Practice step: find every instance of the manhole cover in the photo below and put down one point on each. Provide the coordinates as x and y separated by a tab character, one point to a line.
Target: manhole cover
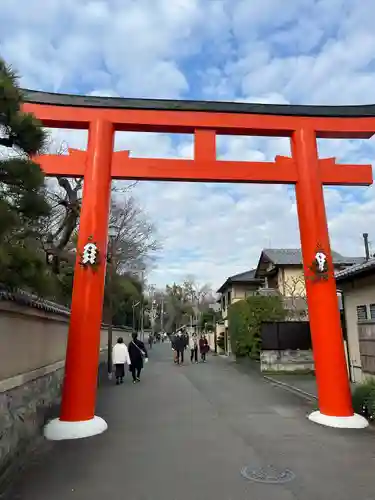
268	474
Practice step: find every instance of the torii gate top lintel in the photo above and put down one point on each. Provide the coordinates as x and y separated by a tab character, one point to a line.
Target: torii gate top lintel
205	120
182	116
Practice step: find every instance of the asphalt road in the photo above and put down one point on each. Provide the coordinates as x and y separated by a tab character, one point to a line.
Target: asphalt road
187	432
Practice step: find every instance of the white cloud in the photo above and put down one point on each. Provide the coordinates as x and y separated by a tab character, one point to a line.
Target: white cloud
300	51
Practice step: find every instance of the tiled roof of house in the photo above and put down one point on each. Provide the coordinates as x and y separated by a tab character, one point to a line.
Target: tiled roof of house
293	256
356	270
247	276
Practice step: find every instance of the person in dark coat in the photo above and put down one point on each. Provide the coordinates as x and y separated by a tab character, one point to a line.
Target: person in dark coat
137	353
186	338
173	345
150	340
203	348
180	346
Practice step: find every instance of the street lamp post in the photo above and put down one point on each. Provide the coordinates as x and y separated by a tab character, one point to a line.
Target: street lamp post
140	273
112	233
135	304
162	316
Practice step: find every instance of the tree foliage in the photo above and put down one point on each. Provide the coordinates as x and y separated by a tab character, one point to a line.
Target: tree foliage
124	291
186	302
245	318
177	306
132	247
209	318
40	221
23	204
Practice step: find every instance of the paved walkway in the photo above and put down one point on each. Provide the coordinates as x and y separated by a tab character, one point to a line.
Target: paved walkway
186	433
304	384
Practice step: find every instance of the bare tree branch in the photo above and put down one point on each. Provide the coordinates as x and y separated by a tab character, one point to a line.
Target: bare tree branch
134	236
295	297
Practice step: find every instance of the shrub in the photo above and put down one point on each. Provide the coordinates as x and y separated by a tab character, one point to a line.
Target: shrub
245	319
364	399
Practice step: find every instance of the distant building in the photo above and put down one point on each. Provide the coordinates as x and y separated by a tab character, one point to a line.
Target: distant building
235	288
279	271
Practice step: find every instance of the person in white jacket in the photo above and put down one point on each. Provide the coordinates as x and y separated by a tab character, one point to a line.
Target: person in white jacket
193	345
120	357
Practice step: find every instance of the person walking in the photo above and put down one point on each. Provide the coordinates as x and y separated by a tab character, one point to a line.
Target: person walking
150	340
173	346
138	355
186	338
120	358
203	348
193	345
180	346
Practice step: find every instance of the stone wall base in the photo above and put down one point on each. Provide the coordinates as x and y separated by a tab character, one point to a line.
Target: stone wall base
24	410
287	361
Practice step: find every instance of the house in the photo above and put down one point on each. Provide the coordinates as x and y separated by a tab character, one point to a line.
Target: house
356	284
281	269
235	288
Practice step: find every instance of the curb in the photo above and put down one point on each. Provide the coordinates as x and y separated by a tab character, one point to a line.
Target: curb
291	388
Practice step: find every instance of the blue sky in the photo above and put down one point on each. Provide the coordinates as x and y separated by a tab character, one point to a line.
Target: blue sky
273	51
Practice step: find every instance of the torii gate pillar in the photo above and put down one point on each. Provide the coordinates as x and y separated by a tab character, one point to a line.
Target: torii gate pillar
77	414
335	401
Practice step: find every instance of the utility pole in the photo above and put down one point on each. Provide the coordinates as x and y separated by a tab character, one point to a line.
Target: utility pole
142	307
214	321
112	268
162	316
110	330
133	307
152	309
153	316
142	320
135	304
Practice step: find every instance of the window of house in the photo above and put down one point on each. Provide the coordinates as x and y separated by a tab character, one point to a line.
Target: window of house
361	313
229	298
223	298
372	311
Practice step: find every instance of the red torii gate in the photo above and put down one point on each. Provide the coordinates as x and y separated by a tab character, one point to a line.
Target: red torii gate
100	164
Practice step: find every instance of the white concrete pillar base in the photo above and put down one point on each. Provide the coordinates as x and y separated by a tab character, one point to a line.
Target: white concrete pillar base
353	422
59	430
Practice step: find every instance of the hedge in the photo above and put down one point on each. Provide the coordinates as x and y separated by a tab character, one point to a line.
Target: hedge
364	400
245	318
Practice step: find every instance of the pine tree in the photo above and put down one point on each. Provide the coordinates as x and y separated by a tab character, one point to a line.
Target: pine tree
23	203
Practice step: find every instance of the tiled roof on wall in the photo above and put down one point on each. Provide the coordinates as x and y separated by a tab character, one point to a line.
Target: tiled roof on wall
28	299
